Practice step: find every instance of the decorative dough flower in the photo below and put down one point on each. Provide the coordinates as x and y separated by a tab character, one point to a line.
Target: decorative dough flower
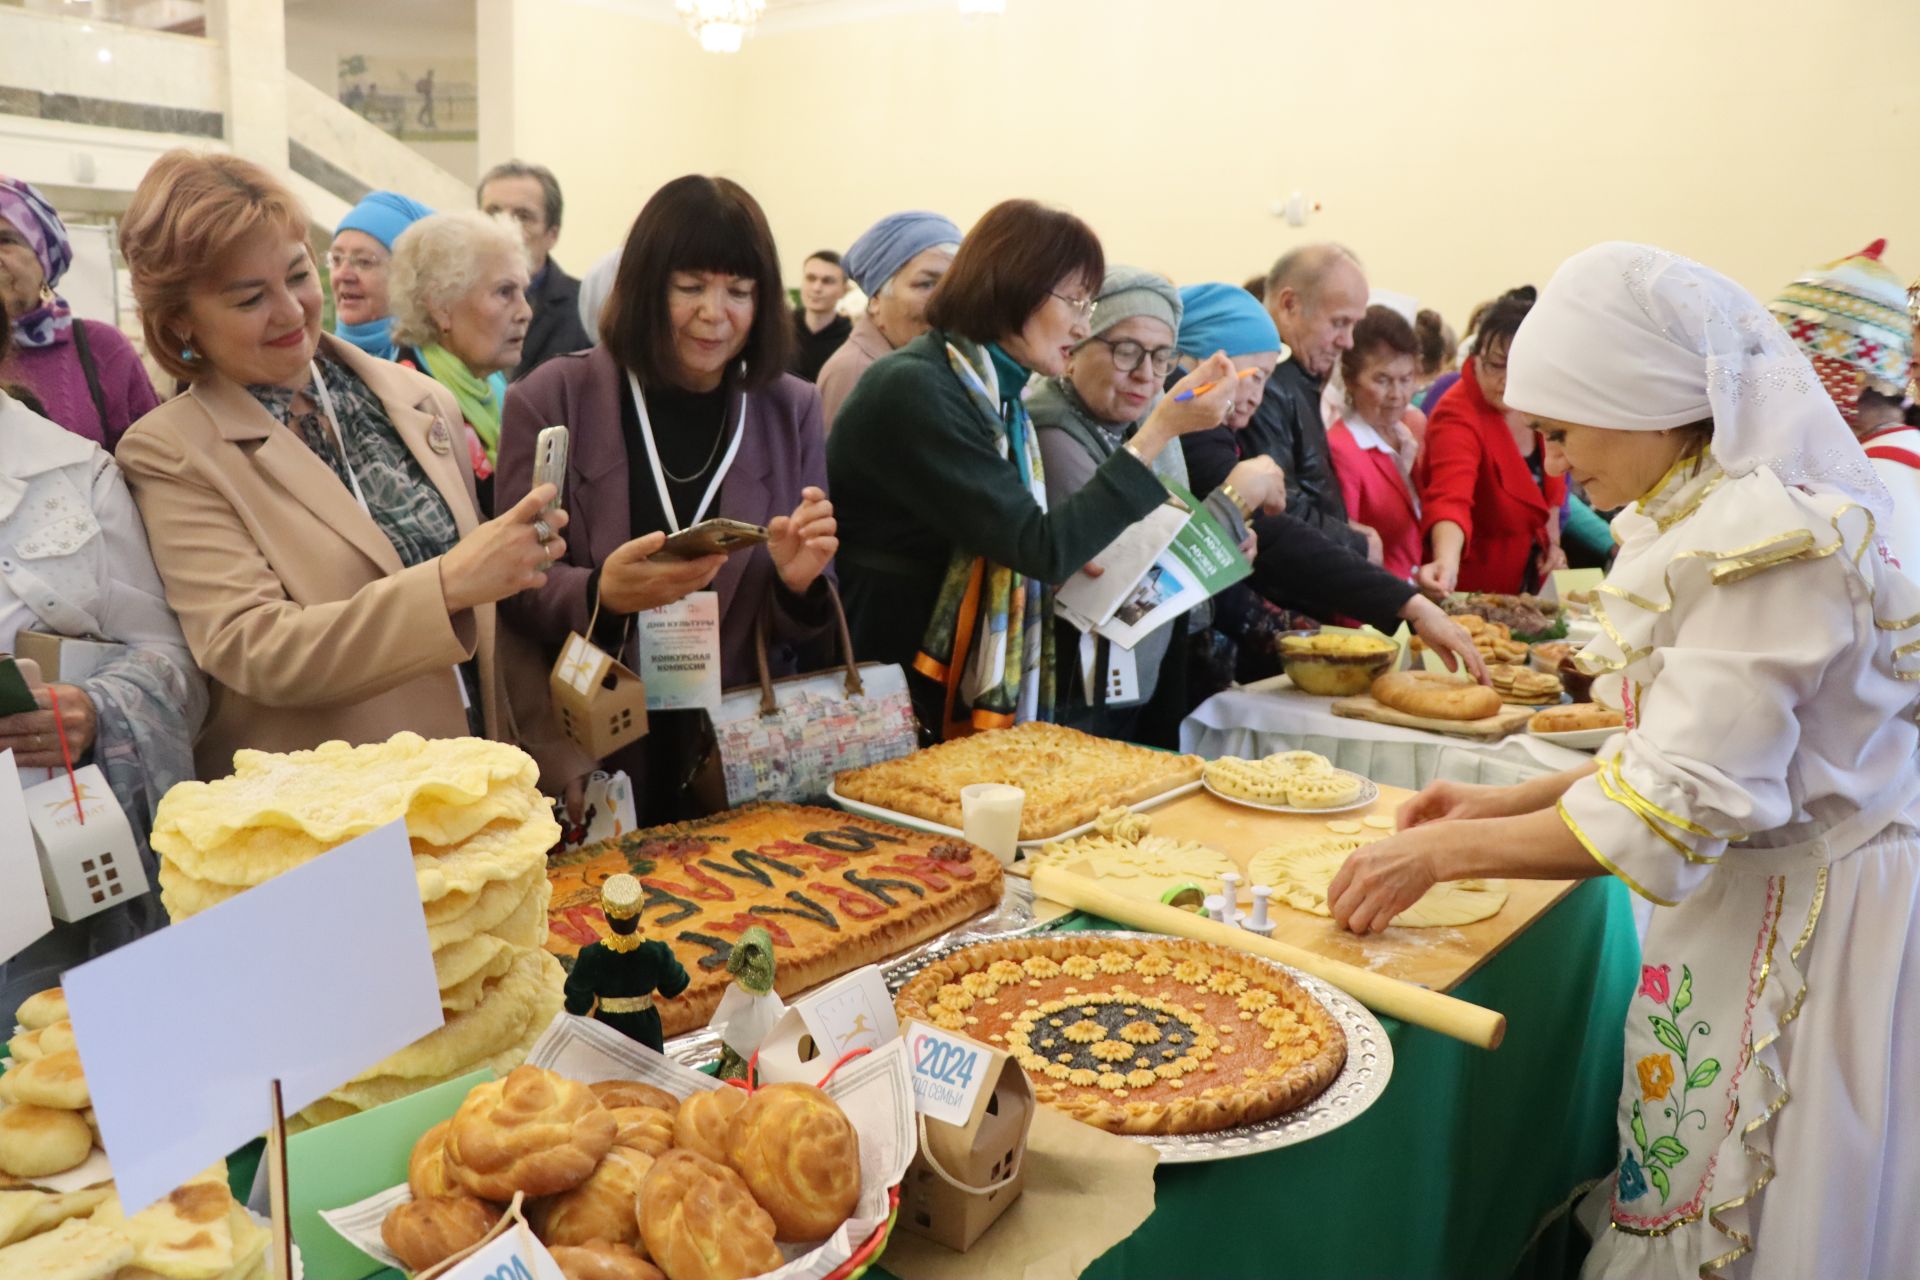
1226	983
1037	966
1140	1033
1112	1080
1154	964
1139	1079
954	996
1079	966
949	1019
1006	971
980	985
1191	972
1083	1077
1085	1031
1056	1071
1255	1001
1111	1051
1115	962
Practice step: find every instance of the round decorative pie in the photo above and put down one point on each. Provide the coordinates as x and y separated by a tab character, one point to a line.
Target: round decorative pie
1148	1036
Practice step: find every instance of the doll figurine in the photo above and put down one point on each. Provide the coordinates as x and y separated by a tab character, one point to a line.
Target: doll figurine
616	978
750	1008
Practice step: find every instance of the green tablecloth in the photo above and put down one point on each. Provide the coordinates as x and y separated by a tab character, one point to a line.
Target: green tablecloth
1452	1171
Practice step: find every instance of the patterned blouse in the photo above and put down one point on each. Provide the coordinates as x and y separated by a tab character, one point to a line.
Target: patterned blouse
399	496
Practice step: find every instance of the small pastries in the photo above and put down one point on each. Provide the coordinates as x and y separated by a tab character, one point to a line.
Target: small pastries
702	1122
42	1009
1578	716
1300	779
534	1131
700	1222
631	1093
423	1233
27	1213
37	1141
647	1129
1523	684
55	1037
427	1175
599	1260
798	1154
77	1249
55	1080
601	1208
1435	696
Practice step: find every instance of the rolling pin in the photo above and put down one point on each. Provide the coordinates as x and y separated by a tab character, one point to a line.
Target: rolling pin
1483	1028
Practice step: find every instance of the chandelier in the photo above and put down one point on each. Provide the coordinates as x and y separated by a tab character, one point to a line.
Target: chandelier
720	25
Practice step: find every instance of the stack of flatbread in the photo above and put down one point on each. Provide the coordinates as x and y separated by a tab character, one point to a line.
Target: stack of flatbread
480	831
199	1232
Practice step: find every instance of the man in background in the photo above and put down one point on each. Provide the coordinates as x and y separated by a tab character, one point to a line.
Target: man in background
817	322
530	195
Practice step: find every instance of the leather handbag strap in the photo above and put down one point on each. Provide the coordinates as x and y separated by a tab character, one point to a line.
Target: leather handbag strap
768	703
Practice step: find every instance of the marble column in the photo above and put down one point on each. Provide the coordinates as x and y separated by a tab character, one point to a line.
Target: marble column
252	38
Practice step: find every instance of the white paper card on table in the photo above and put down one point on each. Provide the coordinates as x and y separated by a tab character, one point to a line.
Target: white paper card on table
513	1255
948	1072
680	653
24	918
309	978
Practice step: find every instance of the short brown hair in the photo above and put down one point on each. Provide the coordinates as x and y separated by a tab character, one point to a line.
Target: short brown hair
695	223
1008	265
187	213
1382	331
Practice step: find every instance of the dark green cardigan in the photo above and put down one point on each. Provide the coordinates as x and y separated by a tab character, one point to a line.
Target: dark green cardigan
915	472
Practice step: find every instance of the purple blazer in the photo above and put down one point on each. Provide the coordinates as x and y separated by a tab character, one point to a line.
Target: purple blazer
783	450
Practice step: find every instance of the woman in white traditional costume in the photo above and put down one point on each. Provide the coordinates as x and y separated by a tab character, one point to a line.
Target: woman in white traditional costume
1763	794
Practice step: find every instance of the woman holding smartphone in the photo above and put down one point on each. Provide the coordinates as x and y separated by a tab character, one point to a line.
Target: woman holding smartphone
683	414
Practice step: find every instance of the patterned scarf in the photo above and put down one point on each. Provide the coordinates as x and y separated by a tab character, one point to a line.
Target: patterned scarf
50	323
989	641
480	398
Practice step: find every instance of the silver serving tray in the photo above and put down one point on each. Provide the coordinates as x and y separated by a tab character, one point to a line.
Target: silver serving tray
1369	792
1358	1086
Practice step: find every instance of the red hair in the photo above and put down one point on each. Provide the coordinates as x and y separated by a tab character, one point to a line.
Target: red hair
188	213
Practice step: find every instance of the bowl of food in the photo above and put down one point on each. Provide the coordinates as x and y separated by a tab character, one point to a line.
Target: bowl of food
1335	664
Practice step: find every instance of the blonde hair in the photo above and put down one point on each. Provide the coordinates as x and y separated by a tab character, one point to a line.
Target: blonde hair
189	211
437	261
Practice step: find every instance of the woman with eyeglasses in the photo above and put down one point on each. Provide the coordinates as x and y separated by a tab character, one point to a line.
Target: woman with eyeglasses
1489	508
950	550
358	264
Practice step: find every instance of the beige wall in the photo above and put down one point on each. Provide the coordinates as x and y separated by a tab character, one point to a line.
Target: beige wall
1457	148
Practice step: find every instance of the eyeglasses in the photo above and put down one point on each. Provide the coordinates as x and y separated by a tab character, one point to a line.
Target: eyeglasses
1127	355
362	262
1082	307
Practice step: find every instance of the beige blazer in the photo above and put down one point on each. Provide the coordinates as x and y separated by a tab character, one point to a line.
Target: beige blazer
293	601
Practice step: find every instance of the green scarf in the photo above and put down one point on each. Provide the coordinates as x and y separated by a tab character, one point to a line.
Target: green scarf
479	398
989	640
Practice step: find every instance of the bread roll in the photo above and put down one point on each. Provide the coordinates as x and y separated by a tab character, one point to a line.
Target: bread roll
42	1009
534	1131
1435	696
700	1222
427	1175
37	1141
601	1208
645	1129
701	1123
55	1080
797	1152
423	1233
1577	716
600	1260
631	1093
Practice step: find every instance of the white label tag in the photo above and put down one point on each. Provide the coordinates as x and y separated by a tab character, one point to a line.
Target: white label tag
948	1073
515	1255
853	1013
88	866
680	653
24	918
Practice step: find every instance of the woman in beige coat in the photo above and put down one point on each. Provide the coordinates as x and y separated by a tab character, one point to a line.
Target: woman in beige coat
311	509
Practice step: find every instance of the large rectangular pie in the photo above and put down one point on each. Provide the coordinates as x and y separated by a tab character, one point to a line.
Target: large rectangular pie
1069	776
835	891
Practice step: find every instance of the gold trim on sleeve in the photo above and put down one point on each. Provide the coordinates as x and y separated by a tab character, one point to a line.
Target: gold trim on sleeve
1601	858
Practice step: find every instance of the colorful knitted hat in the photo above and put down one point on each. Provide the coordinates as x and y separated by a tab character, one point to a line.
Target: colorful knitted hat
1850	317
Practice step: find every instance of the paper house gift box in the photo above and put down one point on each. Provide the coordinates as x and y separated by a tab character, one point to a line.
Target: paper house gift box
851	1013
87	866
965	1176
602	705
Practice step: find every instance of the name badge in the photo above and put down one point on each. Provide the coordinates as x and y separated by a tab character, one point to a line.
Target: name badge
680	654
440	437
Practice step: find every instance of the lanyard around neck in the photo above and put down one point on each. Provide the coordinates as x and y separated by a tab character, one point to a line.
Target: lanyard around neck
339	437
659	472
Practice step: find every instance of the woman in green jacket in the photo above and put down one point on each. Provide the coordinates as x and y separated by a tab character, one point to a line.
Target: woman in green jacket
949	553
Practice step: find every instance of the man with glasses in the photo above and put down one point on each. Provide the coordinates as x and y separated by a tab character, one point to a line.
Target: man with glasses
530	195
1315	295
357	267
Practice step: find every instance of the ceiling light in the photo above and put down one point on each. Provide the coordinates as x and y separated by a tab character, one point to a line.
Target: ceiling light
721	25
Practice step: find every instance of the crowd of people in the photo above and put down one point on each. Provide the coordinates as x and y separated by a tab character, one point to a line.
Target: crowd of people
308	535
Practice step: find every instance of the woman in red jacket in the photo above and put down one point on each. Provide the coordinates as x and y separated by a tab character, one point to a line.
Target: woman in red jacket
1373	448
1490	511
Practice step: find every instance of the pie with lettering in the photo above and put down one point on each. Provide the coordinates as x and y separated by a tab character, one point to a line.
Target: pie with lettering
1148	1036
835	891
1069	776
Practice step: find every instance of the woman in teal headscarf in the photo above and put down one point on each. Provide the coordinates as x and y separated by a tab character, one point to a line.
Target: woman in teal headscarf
358	265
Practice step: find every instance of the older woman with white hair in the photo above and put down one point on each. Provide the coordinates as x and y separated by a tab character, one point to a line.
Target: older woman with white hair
1762	796
896	262
460	315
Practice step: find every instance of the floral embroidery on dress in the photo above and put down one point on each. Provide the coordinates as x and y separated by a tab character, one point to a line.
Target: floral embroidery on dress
1658	1076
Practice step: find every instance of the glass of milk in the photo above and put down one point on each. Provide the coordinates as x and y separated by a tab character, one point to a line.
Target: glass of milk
990	818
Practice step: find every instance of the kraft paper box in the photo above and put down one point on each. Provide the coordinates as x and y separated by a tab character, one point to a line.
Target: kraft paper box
63	659
601	704
965	1176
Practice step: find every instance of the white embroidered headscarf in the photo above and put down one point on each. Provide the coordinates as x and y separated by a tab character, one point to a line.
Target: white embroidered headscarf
1634	338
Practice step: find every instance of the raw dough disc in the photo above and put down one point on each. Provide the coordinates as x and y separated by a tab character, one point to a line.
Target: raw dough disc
1299	875
1344	827
1145	869
1379	821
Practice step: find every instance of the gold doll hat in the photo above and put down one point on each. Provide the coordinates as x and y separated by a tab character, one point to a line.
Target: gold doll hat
620	897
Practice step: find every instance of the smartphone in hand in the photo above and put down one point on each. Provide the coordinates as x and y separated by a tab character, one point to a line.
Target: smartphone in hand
711	538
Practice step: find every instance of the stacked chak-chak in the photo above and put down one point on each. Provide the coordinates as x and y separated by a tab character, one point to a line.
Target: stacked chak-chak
624	1181
480	831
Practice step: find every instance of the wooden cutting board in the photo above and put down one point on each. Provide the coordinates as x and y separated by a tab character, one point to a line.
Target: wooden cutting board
1364	707
1437	958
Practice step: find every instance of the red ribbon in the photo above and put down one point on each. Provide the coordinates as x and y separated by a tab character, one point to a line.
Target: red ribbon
66	753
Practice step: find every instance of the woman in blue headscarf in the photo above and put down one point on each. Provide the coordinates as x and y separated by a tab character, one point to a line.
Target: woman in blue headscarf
358	264
82	374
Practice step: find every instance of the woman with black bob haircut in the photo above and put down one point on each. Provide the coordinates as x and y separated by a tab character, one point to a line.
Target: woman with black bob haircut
683	413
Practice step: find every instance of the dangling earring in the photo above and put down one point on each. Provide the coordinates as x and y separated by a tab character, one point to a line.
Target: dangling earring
47	296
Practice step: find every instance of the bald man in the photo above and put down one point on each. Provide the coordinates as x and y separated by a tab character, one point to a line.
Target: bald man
1315	294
